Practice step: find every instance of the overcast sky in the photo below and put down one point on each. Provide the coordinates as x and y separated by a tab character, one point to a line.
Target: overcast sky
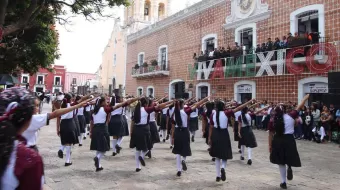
82	43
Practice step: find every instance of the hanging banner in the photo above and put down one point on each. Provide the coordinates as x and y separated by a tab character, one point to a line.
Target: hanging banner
242	89
316	88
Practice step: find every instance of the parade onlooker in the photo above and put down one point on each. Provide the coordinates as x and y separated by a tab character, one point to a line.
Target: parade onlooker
308	124
316	114
325	122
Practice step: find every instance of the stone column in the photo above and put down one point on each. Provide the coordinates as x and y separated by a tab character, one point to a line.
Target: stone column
154	11
168	8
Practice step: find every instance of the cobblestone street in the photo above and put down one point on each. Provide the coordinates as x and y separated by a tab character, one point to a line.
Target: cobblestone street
320	170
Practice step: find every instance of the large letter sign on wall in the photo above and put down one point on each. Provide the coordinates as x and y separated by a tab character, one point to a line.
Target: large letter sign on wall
218	71
250	65
326	50
192	71
202	67
280	62
293	68
265	64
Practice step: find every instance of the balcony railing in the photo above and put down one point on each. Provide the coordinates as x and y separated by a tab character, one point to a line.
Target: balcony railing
250	62
149	71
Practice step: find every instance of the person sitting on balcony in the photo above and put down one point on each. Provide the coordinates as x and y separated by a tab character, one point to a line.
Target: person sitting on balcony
201	57
216	53
290	37
211	55
228	51
277	44
237	47
269	45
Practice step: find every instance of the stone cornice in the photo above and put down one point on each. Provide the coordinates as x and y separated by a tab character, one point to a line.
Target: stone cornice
181	15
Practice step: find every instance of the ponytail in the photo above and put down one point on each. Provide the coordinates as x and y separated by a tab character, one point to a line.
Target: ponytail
178	117
278	120
219	108
243	115
64	103
137	114
113	101
98	105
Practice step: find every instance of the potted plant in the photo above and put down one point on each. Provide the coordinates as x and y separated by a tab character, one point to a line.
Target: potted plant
136	66
154	62
145	64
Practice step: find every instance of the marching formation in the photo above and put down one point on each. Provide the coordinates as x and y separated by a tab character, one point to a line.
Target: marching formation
153	121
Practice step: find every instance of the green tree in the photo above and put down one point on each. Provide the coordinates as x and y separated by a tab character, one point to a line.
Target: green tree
28	37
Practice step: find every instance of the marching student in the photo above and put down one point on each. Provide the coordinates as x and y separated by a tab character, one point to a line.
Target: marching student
247	137
319	134
171	111
193	123
100	137
219	138
164	121
126	128
87	115
66	129
206	122
181	134
140	132
81	120
20	167
117	125
282	145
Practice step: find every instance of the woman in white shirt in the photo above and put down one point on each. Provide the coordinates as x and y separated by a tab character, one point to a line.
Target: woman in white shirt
164	121
140	132
193	123
116	125
247	137
81	121
319	134
219	138
181	135
282	145
100	137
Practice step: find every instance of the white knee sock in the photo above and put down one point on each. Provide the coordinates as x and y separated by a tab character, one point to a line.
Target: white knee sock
143	154
184	158
62	148
100	155
85	131
164	134
224	164
193	133
218	167
114	143
242	150
68	154
249	153
170	140
81	138
178	162
283	173
120	141
137	154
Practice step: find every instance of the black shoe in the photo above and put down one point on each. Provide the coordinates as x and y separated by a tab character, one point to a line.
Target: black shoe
179	173
88	133
60	154
141	161
149	154
239	151
249	162
283	186
213	159
218	179
171	147
192	139
184	166
138	169
84	138
96	162
99	169
223	177
80	145
242	158
289	173
160	135
68	164
118	148
164	140
114	154
167	137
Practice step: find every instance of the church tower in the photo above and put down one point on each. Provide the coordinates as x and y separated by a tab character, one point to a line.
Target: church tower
142	13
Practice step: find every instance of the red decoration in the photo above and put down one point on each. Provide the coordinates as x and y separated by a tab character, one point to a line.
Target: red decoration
218	70
293	68
328	50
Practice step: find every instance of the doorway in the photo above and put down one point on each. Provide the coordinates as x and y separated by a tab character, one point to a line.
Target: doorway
245	97
177	89
210	44
39	89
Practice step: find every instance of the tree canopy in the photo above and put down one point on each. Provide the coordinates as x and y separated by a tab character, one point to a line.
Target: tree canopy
27	29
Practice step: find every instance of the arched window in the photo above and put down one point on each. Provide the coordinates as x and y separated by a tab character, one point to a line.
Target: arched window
150	91
141	58
161	10
163	57
139	91
209	42
246	35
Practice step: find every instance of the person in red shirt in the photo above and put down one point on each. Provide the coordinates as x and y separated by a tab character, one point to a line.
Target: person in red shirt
20	167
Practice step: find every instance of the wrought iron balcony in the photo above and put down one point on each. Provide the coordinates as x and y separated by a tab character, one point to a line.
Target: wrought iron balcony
150	71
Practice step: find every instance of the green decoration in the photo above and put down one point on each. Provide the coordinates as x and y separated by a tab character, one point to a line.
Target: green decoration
250	65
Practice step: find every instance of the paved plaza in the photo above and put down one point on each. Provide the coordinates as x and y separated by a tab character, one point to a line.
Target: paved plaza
320	170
